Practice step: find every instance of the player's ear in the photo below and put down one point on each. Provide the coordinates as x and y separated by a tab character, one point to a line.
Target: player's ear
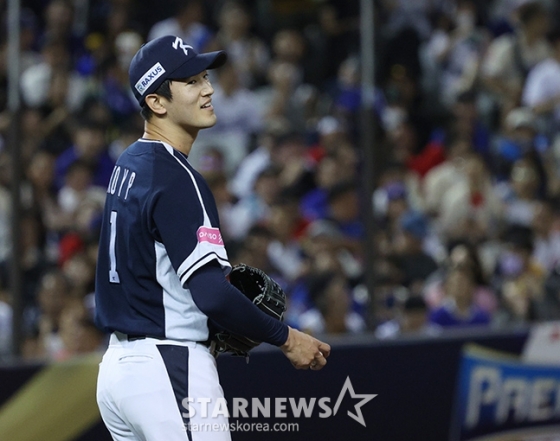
156	104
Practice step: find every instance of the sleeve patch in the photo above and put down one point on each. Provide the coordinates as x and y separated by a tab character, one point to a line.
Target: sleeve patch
211	235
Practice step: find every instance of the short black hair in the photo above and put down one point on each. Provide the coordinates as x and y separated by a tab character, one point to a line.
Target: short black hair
530	10
163	90
341	189
520	237
553	36
317	286
79	164
86	123
415	303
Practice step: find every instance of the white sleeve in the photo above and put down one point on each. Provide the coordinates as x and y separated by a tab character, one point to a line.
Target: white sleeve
497	60
536	91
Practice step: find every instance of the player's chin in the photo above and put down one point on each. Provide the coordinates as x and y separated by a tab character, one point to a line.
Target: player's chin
208	121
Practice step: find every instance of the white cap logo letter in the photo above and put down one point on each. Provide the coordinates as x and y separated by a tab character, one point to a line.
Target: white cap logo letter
178	43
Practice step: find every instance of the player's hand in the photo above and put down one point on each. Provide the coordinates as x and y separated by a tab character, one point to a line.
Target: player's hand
305	351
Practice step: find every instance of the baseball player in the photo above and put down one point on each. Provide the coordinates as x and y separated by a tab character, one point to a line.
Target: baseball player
161	273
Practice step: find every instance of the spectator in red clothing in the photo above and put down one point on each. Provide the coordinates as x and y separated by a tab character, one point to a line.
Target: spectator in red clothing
471	204
331	134
286	225
411	145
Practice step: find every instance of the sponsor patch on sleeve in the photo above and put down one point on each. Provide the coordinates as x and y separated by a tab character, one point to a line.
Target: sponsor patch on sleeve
211	235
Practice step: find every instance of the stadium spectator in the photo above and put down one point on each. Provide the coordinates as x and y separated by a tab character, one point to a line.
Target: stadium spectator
115	91
78	333
462	255
53	80
77	187
248	53
542	88
520	194
454	51
286	226
187	23
510	57
551	303
458	307
59	25
52	298
471	204
440	178
516	140
343	210
467	122
520	279
89	147
461	158
239	117
547	235
314	203
332	312
261	157
414	263
285	97
255	208
412	319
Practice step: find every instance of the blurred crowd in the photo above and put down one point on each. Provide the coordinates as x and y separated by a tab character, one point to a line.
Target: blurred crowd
466	118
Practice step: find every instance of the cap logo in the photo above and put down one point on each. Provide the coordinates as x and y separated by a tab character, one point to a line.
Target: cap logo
178	43
149	77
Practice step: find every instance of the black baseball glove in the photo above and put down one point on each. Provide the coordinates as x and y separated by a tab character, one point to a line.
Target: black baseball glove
263	292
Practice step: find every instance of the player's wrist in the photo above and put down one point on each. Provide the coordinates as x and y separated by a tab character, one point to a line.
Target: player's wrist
288	343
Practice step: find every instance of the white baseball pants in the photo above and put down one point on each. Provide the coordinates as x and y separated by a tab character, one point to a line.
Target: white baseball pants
144	385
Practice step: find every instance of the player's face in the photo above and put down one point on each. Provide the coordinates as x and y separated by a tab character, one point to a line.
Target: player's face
191	106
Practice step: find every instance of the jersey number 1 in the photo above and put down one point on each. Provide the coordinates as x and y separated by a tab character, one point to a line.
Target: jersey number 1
113	274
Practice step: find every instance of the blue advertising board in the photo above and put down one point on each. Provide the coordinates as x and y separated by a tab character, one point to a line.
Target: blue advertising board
501	398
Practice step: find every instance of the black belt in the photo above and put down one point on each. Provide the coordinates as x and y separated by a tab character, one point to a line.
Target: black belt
133	337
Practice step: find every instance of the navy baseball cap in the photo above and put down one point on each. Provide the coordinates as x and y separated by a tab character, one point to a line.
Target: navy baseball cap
167	58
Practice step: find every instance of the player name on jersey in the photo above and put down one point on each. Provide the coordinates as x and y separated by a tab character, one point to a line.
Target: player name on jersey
119	176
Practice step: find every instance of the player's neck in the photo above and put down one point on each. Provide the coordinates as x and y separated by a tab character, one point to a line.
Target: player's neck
176	137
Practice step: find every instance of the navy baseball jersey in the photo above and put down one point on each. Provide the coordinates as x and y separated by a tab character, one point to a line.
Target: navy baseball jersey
160	225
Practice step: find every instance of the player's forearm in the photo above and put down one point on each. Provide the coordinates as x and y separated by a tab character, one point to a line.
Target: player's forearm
229	308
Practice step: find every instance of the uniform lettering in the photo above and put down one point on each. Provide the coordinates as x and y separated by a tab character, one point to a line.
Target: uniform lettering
113	186
116	179
125	174
130	182
111	179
